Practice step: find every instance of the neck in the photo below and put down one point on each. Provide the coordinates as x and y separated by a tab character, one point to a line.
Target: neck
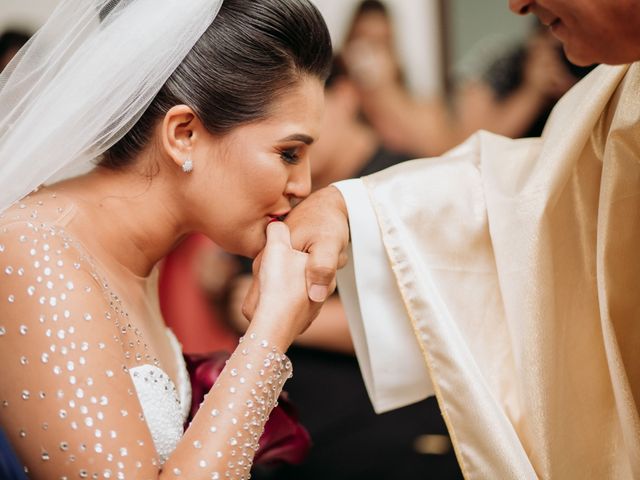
134	220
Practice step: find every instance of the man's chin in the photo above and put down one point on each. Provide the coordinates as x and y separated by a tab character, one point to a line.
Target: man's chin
582	61
585	57
577	57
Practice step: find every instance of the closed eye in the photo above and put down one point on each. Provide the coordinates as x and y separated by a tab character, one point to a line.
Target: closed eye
290	156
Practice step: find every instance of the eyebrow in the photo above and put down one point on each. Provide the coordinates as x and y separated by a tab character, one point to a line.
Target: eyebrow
298	137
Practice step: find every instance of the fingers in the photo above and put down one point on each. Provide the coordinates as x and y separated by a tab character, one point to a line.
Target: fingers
257	262
321	269
251	301
278	234
343	259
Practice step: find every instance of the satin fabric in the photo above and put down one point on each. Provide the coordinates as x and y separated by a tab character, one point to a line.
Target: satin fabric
518	264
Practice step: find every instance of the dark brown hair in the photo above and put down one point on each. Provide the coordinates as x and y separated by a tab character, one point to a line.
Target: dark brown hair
252	53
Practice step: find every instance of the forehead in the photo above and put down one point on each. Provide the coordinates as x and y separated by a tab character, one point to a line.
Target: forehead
297	110
307	89
303	103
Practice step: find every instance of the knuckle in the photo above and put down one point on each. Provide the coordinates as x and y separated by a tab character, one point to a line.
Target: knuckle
342	259
323	272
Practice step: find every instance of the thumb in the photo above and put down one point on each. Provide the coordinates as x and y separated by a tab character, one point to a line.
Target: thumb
321	272
278	234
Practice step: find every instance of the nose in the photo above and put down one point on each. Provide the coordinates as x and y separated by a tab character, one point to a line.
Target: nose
520	7
299	183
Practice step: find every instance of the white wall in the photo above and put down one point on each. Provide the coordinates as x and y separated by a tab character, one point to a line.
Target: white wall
27	14
481	31
417	28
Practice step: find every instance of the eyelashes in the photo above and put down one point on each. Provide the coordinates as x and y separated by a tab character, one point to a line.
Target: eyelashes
291	156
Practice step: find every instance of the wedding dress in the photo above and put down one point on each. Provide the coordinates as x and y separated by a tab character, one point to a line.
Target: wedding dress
82	389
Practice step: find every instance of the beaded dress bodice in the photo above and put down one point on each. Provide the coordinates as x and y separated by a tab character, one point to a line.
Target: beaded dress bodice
164	404
82	395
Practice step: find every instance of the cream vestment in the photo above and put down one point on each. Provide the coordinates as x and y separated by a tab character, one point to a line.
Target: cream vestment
504	277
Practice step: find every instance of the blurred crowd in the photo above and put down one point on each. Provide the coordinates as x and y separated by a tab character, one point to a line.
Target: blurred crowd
372	121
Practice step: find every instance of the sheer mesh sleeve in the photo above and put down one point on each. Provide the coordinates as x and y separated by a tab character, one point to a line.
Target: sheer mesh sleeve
226	430
68	401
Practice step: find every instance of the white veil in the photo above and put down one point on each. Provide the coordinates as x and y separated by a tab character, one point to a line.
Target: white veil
83	81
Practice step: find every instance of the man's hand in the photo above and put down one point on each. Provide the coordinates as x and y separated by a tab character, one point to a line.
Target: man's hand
319	226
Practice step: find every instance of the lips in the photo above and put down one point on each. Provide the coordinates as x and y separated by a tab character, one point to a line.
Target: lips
278	217
547	21
546	17
555	24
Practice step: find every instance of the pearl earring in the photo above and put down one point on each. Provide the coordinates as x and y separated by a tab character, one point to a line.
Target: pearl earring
187	166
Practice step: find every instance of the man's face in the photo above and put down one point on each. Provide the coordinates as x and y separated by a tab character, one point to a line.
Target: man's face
591	31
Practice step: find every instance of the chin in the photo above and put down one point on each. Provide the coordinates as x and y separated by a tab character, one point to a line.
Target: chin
583	56
243	250
245	240
585	61
251	253
250	247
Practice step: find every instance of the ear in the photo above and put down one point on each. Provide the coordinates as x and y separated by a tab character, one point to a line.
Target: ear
180	131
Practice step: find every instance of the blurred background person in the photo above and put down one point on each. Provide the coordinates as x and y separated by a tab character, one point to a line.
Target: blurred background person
371	30
11	40
515	94
348	146
512	96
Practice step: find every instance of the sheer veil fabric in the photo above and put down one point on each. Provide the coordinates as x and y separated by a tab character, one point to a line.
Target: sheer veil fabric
83	81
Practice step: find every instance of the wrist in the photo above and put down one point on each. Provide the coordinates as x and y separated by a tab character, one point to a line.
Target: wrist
273	327
340	206
338	200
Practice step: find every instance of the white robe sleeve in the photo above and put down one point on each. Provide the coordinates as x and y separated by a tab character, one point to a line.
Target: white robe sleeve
390	358
513	260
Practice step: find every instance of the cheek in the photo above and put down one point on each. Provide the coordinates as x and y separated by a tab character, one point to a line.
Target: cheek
246	196
264	183
583	50
577	40
595	19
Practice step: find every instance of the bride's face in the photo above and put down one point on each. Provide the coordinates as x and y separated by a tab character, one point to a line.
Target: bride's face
246	178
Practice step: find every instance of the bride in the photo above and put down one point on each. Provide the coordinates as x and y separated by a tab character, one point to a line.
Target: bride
197	125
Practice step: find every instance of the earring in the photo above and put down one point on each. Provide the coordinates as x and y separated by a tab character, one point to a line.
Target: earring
187	166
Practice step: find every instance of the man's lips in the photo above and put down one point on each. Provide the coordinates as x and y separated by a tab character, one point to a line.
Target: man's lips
549	20
553	26
546	17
